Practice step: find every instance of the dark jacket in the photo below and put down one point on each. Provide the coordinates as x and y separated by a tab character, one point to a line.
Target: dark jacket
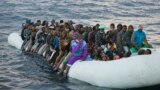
99	38
126	38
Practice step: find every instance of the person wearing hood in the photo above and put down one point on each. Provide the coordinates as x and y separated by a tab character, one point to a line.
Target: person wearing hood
79	51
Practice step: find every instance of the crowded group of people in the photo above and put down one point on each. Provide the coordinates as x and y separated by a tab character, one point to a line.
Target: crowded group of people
62	43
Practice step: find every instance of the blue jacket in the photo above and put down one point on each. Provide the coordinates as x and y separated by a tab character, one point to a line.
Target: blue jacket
140	37
55	42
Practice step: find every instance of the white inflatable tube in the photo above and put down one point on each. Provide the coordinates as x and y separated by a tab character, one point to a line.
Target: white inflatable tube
14	39
132	72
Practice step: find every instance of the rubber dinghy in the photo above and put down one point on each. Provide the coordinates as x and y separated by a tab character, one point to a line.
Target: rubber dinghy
132	72
15	40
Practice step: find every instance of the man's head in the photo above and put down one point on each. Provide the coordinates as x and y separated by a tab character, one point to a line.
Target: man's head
112	26
130	28
124	28
119	27
140	27
38	22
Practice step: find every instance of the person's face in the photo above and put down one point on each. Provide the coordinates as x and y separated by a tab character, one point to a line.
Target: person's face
119	27
111	27
130	29
97	27
140	27
124	28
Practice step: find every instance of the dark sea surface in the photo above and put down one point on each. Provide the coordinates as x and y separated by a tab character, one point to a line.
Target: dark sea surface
19	71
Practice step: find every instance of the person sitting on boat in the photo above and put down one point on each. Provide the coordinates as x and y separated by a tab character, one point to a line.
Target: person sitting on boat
139	39
46	41
119	28
24	28
69	54
110	33
40	40
26	35
53	23
126	38
99	37
53	47
120	39
111	50
31	42
78	51
96	55
91	36
104	57
85	34
63	43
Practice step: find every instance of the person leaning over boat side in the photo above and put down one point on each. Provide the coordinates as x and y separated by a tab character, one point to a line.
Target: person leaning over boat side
139	38
78	52
126	38
119	39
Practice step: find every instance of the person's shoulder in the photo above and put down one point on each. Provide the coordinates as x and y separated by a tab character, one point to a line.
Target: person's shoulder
135	32
143	32
125	34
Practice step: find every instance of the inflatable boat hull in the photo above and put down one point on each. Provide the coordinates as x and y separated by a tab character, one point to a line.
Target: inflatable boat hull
132	72
15	40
